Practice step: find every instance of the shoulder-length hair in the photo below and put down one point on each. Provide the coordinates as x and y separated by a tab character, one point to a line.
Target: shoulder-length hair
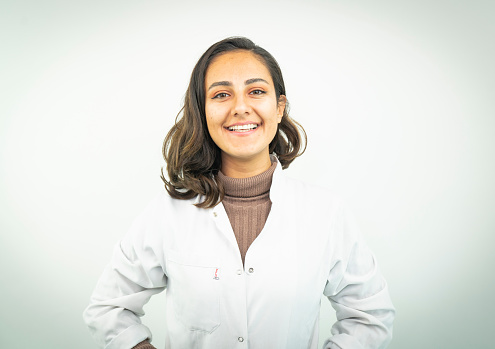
193	159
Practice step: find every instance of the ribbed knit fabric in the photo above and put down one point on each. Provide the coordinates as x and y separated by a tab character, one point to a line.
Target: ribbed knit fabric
247	203
144	345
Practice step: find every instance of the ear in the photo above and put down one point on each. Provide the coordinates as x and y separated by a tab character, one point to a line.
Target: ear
282	101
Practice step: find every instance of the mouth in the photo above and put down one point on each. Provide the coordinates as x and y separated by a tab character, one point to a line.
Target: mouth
242	128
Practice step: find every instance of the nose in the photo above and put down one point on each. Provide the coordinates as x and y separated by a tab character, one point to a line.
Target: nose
241	106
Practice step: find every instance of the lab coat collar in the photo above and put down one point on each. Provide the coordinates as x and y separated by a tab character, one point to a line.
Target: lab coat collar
276	188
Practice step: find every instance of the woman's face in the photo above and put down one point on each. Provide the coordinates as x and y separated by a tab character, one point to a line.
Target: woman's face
242	111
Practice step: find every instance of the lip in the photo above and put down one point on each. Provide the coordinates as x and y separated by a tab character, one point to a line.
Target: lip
242	133
243	123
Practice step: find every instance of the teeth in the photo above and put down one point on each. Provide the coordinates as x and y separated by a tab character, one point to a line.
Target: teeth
243	128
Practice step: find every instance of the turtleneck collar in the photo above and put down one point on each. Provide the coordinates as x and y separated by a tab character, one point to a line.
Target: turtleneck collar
250	186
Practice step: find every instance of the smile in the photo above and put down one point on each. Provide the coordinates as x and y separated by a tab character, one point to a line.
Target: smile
243	128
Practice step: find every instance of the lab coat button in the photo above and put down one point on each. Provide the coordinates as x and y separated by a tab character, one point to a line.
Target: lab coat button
251	270
215	214
240	339
239	272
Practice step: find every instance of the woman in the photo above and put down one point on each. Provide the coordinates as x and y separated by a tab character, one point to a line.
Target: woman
244	252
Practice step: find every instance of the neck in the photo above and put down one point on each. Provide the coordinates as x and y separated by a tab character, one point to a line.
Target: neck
239	168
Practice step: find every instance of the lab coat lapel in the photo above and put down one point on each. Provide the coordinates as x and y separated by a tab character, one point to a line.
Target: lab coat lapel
222	222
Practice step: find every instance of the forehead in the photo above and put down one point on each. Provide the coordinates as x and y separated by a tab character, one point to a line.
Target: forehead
241	64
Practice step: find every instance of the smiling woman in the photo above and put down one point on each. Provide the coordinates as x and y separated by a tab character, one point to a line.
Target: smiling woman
243	252
242	112
234	84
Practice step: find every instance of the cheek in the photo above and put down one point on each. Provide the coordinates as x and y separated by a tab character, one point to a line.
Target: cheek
210	117
271	114
213	114
214	126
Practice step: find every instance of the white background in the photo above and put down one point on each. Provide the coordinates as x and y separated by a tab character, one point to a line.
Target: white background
397	98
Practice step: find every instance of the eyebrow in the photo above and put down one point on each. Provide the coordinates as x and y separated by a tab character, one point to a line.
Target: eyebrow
228	83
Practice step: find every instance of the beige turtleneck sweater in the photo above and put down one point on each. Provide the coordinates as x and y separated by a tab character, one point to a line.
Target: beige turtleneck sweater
247	203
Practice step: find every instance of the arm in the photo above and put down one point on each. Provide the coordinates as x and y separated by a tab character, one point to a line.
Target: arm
126	285
359	295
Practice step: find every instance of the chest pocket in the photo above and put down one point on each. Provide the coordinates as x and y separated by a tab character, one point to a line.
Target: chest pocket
194	289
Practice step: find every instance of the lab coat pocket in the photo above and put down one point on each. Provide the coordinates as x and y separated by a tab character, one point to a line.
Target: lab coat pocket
194	290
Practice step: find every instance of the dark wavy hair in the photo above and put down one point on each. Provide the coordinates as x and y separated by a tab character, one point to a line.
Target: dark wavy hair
193	159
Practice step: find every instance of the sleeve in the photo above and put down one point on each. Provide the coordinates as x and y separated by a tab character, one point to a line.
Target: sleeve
133	275
359	295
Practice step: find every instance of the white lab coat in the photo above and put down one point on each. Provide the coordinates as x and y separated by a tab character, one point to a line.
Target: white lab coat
309	246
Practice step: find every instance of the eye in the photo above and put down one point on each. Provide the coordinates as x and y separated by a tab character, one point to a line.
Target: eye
220	95
257	92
